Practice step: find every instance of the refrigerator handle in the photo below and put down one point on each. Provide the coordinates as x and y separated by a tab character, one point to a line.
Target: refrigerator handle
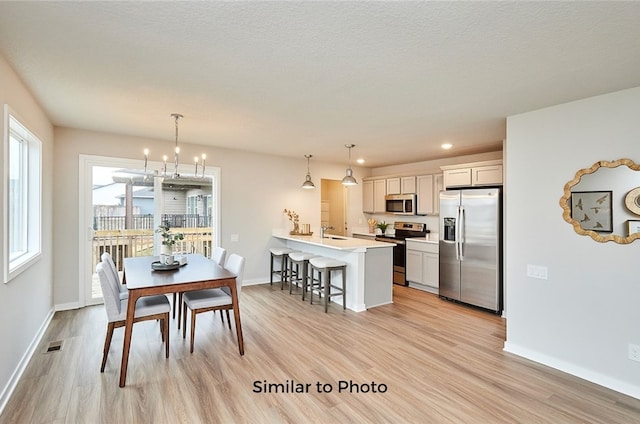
457	232
461	233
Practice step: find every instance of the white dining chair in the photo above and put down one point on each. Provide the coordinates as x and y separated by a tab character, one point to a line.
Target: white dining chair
147	308
199	301
111	267
218	255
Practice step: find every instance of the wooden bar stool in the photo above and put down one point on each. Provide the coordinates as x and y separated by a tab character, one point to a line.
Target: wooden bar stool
325	265
281	253
301	273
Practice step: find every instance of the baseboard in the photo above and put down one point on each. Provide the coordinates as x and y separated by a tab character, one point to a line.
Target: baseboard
255	282
569	368
68	306
22	365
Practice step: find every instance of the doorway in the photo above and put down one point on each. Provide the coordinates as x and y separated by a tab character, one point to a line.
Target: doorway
332	206
120	208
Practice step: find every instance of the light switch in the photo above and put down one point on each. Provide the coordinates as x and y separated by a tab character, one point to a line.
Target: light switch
235	237
537	271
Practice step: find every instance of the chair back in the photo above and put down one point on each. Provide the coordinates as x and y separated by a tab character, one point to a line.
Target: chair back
218	255
235	264
110	293
111	266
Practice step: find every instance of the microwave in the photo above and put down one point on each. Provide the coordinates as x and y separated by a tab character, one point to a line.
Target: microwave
400	204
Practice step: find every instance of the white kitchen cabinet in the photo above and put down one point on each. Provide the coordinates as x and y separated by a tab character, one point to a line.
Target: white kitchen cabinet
393	185
373	192
476	174
401	185
486	175
379	191
424	194
438	186
428	194
408	185
422	265
457	177
367	196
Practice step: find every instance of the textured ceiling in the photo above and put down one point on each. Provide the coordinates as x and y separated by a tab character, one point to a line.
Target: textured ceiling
292	78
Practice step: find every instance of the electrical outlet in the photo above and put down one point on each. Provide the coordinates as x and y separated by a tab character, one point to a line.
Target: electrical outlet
634	352
235	237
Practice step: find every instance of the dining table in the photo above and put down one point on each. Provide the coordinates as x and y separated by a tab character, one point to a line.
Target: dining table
197	273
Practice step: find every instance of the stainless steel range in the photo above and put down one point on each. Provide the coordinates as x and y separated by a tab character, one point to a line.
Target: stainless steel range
403	230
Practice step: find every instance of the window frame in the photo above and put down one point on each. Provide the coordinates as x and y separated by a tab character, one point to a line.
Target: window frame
31	151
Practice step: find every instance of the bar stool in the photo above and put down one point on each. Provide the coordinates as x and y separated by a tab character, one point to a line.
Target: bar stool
300	260
281	253
325	265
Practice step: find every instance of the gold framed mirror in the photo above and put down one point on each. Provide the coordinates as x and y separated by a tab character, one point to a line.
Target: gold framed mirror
603	193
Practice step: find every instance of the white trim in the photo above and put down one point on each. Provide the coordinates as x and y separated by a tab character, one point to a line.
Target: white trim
24	361
85	212
67	306
33	213
570	368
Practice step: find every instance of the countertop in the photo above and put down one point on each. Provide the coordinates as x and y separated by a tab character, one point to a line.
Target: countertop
429	238
341	243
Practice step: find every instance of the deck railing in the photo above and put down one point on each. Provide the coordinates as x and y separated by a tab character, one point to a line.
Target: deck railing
137	242
145	222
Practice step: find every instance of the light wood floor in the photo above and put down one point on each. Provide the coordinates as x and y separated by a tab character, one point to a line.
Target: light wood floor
440	363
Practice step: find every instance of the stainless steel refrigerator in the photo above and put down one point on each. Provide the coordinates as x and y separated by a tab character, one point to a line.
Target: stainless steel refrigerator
471	247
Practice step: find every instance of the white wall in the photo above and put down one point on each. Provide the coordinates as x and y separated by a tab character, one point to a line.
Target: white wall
255	189
25	302
583	317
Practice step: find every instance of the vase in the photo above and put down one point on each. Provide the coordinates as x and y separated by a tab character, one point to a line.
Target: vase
166	255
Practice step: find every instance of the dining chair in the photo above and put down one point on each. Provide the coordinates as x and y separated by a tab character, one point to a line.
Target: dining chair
147	308
217	255
212	299
111	267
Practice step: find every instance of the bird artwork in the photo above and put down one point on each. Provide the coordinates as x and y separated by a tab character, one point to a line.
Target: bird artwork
602	199
595	209
586	218
579	204
598	225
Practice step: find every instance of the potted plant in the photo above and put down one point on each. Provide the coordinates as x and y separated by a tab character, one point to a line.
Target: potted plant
168	242
382	226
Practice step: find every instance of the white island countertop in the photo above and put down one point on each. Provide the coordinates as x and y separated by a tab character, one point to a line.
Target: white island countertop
331	241
369	265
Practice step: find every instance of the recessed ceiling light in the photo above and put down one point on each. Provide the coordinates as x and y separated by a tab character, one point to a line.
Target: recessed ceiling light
360	161
446	146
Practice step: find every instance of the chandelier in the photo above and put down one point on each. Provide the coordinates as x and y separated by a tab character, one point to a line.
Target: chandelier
176	157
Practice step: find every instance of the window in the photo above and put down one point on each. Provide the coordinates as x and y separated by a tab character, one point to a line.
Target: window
22	220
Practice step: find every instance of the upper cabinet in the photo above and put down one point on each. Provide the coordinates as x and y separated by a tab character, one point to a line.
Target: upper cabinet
428	189
373	192
475	174
401	185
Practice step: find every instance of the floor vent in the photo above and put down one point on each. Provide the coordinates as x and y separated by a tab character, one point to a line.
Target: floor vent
54	347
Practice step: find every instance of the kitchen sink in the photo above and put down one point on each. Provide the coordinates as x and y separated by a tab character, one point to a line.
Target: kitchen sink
336	237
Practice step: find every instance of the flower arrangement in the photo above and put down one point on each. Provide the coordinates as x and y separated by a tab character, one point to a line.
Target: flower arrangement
295	218
168	239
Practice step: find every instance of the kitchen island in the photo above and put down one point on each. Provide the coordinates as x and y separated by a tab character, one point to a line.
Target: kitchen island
369	265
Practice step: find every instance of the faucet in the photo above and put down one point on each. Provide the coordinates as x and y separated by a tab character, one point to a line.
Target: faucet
323	228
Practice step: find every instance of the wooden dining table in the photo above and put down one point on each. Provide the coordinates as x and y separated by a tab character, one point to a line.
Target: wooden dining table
198	273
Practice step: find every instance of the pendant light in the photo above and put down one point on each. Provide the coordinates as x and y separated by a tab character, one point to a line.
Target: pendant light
308	184
348	179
